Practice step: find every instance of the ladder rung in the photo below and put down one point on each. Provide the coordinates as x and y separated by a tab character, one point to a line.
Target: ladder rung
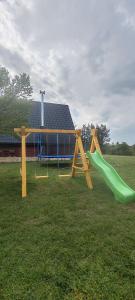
80	168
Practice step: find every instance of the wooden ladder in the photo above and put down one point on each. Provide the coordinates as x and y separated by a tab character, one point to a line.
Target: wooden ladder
82	166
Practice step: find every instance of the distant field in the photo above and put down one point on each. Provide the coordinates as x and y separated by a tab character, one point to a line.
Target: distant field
65	241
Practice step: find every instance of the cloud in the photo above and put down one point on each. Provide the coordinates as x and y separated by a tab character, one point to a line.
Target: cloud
81	53
13	60
124	80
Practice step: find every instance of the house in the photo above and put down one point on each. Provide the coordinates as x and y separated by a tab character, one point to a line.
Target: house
56	116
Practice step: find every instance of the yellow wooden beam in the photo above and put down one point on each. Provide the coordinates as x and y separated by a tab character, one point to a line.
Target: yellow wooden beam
79	168
76	151
24	189
85	168
45	130
94	143
85	165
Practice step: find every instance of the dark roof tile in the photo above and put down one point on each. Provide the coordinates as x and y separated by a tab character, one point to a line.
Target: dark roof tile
56	116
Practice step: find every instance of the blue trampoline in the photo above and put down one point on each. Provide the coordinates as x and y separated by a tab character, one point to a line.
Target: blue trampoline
43	151
55	156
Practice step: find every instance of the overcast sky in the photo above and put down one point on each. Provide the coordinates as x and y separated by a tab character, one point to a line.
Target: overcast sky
82	52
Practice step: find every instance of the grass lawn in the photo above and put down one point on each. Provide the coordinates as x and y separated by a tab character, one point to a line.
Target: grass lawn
65	241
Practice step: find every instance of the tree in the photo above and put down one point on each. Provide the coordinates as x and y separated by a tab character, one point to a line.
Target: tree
21	87
13	113
102	133
4	80
86	137
124	149
119	149
133	149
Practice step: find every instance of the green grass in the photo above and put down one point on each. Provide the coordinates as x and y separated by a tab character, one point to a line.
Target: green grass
65	241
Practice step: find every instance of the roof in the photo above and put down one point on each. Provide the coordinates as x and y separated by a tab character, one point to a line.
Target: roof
56	116
9	139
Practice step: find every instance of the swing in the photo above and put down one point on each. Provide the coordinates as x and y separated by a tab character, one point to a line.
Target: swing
24	132
40	148
42	155
66	156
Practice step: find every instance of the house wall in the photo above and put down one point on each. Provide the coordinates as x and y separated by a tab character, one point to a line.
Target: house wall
10	150
14	150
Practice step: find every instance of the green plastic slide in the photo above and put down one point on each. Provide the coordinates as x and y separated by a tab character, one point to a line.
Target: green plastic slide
121	190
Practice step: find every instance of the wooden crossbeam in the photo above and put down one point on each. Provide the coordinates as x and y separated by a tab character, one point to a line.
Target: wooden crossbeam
45	130
79	168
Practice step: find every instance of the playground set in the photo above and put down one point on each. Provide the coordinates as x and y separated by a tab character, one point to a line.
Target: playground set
122	192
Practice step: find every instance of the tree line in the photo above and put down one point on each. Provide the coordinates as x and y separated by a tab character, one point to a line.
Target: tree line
15	106
103	134
15	100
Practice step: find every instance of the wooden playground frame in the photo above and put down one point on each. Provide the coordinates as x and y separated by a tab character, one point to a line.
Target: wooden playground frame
24	132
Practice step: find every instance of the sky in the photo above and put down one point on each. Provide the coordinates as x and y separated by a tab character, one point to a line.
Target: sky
81	52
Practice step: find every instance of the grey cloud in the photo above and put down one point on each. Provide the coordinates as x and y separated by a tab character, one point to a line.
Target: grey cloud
122	81
81	52
46	82
123	85
13	61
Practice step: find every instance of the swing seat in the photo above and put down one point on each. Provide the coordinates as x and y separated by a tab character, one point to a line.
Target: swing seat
65	175
41	176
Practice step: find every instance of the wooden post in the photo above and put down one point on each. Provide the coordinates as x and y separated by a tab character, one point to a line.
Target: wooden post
94	143
85	167
24	188
76	152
